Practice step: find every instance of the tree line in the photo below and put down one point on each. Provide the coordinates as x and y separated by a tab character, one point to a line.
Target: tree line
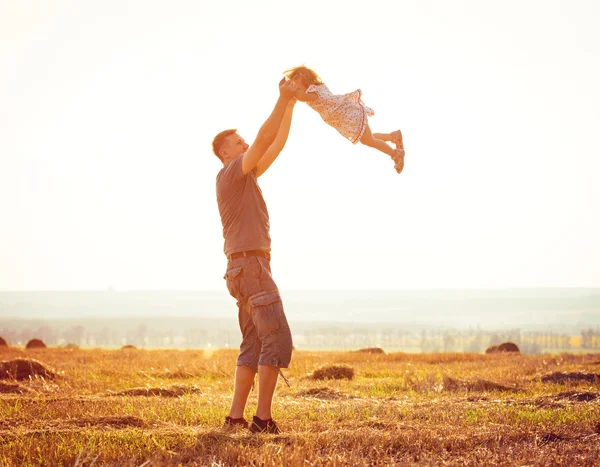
310	337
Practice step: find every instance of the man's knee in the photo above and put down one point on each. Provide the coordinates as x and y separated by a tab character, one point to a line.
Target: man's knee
273	330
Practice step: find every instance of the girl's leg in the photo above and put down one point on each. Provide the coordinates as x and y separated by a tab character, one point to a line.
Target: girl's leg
395	137
383	136
368	139
397	155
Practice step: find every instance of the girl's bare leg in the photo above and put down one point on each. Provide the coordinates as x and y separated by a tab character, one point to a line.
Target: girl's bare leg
370	140
395	137
383	136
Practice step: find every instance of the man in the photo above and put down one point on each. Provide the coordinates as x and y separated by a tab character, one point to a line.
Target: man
266	339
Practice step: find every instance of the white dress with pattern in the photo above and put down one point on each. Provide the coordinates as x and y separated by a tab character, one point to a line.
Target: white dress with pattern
347	113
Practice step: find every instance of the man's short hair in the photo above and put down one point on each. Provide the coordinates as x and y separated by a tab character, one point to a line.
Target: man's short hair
220	139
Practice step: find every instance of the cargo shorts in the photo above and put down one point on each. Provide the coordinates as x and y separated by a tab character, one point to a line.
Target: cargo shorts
266	336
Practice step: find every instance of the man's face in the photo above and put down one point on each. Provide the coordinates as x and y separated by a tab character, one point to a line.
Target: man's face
234	146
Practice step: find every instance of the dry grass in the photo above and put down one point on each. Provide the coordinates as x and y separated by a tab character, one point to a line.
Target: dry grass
396	410
174	390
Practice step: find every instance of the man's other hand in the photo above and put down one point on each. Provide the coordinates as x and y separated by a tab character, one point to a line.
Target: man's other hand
287	88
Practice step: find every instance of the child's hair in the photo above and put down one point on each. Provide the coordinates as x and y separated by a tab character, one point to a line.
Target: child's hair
307	75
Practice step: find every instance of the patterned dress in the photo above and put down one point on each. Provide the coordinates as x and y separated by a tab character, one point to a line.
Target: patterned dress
347	113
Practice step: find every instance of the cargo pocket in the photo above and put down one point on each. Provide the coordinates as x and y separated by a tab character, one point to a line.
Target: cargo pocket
267	313
232	278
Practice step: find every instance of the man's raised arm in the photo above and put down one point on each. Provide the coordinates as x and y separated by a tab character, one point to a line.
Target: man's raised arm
268	131
284	130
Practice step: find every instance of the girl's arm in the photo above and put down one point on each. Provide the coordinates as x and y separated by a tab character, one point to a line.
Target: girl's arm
305	96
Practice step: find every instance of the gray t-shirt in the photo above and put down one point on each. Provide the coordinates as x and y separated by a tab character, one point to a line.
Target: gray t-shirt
243	210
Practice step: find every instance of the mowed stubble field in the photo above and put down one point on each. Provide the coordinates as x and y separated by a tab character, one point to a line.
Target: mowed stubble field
166	407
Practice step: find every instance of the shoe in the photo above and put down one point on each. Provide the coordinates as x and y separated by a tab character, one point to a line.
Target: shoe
399	160
397	139
235	422
263	426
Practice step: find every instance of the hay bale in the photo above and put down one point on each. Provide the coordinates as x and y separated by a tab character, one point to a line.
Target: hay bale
3	343
508	347
372	350
12	388
129	347
24	368
333	372
35	344
504	347
574	377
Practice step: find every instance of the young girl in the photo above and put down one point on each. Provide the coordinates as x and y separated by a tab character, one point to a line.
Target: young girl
347	113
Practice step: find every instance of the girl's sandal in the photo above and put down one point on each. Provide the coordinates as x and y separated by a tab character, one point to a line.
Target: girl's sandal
398	160
397	139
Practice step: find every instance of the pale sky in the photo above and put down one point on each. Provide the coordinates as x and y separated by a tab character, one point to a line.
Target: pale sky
108	109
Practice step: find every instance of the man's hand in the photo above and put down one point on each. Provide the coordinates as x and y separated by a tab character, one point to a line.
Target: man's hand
287	88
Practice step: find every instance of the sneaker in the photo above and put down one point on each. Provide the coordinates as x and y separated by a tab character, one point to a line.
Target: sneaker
235	422
263	426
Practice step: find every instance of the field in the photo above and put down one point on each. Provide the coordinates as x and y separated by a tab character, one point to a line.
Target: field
157	407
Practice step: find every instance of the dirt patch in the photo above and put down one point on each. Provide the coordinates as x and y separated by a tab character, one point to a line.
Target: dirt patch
551	438
574	377
12	388
169	391
372	350
324	393
35	344
333	372
576	396
24	368
451	384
